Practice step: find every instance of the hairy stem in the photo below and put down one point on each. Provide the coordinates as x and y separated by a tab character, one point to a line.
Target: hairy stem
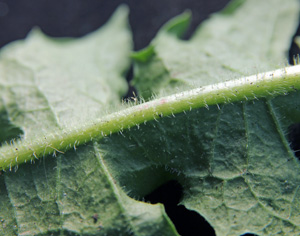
269	84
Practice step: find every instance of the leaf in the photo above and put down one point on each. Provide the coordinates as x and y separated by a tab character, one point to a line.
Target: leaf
233	160
48	85
239	41
55	76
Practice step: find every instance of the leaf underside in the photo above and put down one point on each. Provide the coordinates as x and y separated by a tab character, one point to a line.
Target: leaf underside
232	160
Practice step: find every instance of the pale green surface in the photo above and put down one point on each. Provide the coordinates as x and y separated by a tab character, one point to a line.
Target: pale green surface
51	84
265	85
60	83
233	161
233	164
62	194
254	38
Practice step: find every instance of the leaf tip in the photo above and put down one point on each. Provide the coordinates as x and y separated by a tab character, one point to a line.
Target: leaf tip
36	32
120	14
232	6
143	55
179	24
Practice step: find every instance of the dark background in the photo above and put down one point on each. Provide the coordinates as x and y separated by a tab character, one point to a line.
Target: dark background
75	18
78	17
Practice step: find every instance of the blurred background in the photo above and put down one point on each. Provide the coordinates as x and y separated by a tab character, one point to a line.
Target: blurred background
76	18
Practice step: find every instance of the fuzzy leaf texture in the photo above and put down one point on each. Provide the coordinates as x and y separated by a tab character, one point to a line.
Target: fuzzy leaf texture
233	160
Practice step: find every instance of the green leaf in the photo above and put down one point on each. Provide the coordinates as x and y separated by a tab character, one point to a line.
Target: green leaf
49	84
237	170
233	161
231	155
247	39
